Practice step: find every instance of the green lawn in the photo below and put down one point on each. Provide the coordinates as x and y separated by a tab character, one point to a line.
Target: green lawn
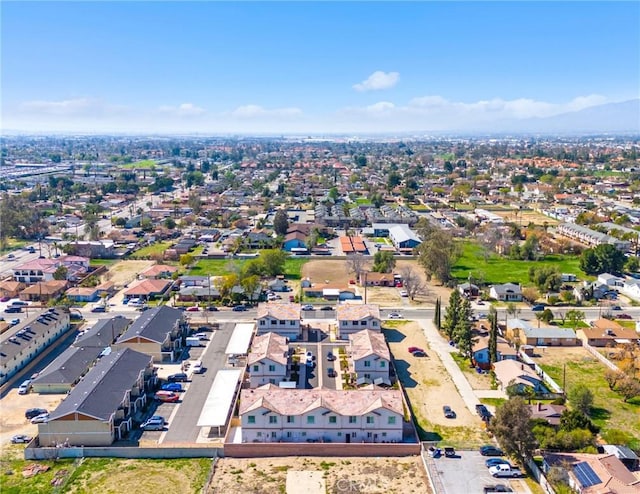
502	270
13	244
610	412
141	164
363	201
102	262
220	267
153	249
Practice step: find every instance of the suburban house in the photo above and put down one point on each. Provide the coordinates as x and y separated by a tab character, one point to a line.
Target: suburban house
468	289
623	453
403	237
604	332
376	279
20	344
148	289
100	409
295	240
592	474
547	411
523	333
508	292
354	318
44	291
512	372
9	288
268	360
278	285
610	280
43	269
370	356
158	332
280	318
480	351
158	271
272	414
83	294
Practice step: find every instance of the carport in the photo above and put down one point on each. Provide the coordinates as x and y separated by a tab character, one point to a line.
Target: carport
217	407
238	345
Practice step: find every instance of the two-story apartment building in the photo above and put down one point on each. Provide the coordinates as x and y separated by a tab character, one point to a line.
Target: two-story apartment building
268	360
370	356
43	269
272	414
354	318
159	332
100	408
280	318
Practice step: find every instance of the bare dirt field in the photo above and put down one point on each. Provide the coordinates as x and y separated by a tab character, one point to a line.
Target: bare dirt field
363	475
126	271
526	217
12	408
429	386
559	355
335	271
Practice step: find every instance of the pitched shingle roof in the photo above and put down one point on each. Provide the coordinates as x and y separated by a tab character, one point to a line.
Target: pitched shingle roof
357	312
366	343
280	311
271	346
153	324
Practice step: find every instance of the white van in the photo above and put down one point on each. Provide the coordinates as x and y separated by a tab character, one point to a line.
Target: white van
25	387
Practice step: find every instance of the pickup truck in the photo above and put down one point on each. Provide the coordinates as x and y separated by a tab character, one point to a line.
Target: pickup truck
505	471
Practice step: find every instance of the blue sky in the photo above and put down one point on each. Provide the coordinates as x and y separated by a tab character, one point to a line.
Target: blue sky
310	67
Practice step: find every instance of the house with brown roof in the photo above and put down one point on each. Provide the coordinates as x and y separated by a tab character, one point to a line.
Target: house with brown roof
272	414
605	332
268	360
376	279
353	318
158	271
281	318
9	288
514	373
546	411
480	351
83	294
148	289
370	356
43	291
592	474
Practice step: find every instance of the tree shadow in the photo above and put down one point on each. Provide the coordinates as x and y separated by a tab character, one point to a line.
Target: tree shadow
393	335
598	413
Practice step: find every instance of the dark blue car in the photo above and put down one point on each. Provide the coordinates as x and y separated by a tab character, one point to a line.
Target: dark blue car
172	387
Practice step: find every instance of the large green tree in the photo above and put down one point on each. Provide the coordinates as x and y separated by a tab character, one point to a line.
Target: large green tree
512	428
452	314
493	334
383	261
273	261
281	222
438	251
605	258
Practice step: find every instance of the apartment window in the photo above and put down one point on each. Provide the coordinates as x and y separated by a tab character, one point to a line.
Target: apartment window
289	434
262	322
273	434
282	323
272	368
311	419
363	323
369	434
384	434
259	434
292	323
290	419
272	381
374	323
369	419
333	419
367	363
352	419
273	419
251	419
304	434
383	363
391	420
256	368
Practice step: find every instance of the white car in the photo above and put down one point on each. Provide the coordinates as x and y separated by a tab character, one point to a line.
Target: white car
404	293
395	315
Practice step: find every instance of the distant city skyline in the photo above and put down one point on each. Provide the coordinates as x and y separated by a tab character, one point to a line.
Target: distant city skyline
313	67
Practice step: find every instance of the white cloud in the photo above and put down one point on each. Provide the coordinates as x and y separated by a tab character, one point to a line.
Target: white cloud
256	111
79	107
183	110
378	80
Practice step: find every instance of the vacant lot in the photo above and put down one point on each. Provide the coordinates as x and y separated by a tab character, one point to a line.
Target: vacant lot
13	406
126	271
610	411
429	386
365	475
103	475
155	249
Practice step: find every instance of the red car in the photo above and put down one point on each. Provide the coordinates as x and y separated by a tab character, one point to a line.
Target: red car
413	349
167	396
193	309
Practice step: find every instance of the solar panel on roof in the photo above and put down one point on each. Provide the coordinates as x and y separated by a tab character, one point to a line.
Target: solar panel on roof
585	474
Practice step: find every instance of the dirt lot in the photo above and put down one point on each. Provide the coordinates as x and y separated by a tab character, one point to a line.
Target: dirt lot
126	271
429	387
13	406
334	271
526	217
365	475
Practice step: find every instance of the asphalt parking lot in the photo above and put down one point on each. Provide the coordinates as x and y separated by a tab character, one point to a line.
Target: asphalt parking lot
468	474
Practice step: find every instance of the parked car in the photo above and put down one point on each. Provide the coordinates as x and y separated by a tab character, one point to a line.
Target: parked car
5	299
40	419
395	315
492	462
193	308
413	349
154	423
497	488
419	353
489	450
171	387
19	303
537	307
13	310
404	293
623	316
212	308
167	396
197	367
239	308
20	439
331	372
15	322
448	412
25	387
483	412
450	452
331	357
34	412
327	307
505	471
179	377
307	307
616	307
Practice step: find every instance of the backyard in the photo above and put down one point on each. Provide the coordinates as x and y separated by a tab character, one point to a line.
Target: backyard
610	412
153	250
